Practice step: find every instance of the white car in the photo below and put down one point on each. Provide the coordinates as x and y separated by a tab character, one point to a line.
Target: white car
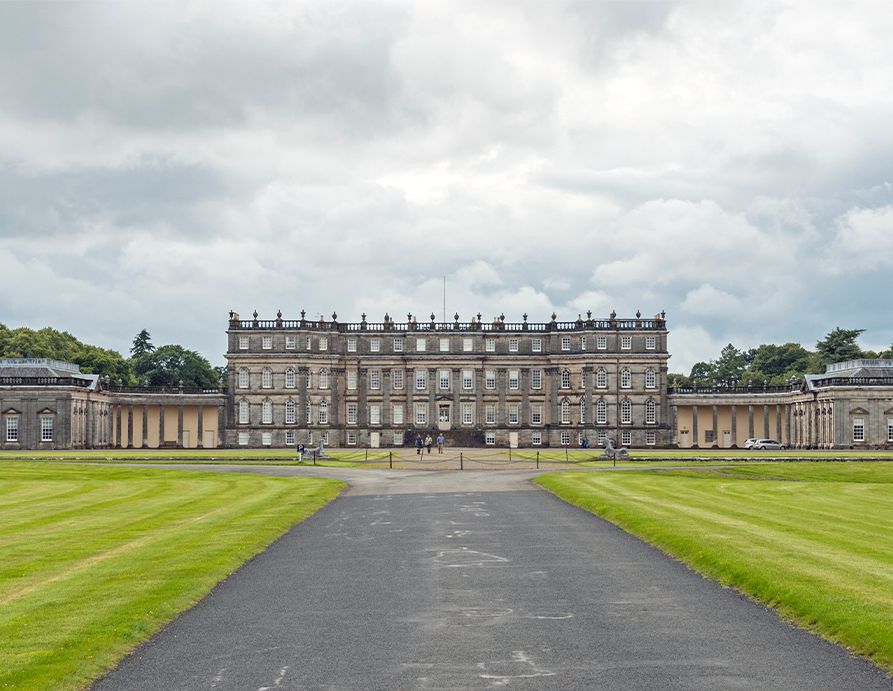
770	444
748	443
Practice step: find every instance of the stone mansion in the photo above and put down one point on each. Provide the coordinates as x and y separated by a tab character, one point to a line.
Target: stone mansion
496	383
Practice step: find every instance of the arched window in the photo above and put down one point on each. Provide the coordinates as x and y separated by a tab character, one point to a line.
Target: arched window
565	412
289	412
323	379
626	379
565	379
323	412
650	379
626	412
601	378
289	378
266	414
582	412
266	378
243	412
309	416
650	412
601	412
243	378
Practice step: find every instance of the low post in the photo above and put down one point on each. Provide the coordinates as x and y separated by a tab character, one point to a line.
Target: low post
614	456
537	460
461	461
565	454
510	454
365	454
391	460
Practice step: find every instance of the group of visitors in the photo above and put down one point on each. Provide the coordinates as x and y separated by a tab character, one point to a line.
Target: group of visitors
427	442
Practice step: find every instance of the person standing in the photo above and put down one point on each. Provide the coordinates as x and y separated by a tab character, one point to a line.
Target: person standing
428	443
440	441
418	445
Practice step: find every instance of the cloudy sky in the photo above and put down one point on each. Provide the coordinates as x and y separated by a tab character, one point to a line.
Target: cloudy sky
728	162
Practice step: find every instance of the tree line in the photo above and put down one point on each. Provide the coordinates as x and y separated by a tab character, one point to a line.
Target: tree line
775	365
167	365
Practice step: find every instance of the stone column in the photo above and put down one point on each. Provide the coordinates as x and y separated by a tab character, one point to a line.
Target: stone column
130	426
180	426
119	413
303	373
456	374
778	423
524	383
766	420
750	434
221	425
479	397
386	397
145	430
433	384
200	444
694	428
502	415
715	424
734	427
362	398
160	426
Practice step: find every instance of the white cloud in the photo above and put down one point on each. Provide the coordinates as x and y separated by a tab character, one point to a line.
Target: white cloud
864	239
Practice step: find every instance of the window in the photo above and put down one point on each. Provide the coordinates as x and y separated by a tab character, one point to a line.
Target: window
565	342
351	345
309	343
536	379
601	412
243	438
420	345
490	438
324	438
397	378
243	378
309	416
626	342
307	377
467	413
266	342
397	413
626	379
12	428
243	342
650	438
536	438
601	342
490	379
398	438
443	412
443	378
536	345
46	428
324	412
398	345
467	345
858	429
490	345
650	379
375	379
289	378
291	343
513	345
600	436
536	414
601	378
323	343
421	380
565	438
243	412
583	379
375	414
490	414
565	412
467	380
310	438
266	415
514	413
626	438
289	412
889	429
650	343
650	413
444	345
514	380
323	379
289	438
351	438
266	438
266	378
565	379
421	413
626	412
375	345
352	379
582	342
582	412
351	413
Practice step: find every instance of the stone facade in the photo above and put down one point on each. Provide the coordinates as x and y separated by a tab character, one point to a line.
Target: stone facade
380	384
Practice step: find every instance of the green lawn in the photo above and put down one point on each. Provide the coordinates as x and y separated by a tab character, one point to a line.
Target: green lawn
274	456
813	540
94	560
585	456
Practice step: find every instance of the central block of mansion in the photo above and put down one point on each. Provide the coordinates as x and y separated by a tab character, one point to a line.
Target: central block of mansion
380	384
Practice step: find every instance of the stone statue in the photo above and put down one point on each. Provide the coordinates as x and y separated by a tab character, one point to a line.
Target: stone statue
612	453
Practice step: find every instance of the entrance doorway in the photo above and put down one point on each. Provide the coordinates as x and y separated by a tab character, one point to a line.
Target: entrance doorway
374	440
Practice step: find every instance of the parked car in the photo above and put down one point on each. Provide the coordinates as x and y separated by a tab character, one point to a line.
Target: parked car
768	444
748	443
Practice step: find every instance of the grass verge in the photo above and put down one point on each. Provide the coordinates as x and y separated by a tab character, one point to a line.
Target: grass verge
96	560
814	541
